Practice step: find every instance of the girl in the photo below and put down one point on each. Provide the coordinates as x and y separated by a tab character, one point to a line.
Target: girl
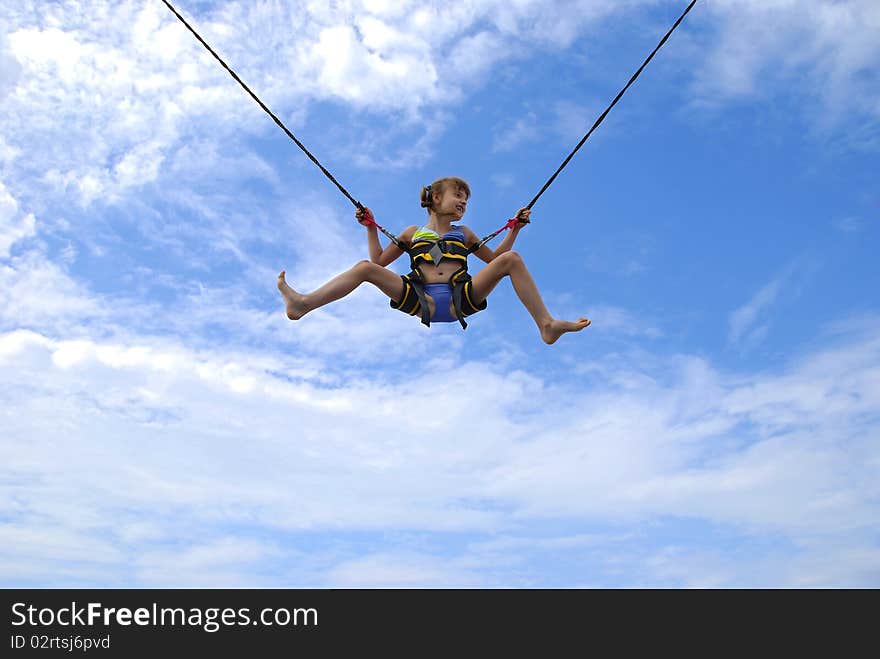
438	288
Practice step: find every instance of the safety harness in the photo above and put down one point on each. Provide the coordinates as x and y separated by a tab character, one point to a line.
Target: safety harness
424	250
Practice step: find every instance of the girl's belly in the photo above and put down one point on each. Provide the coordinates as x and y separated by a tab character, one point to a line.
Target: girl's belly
438	274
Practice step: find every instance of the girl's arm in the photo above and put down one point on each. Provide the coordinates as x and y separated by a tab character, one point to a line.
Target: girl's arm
486	253
392	251
373	245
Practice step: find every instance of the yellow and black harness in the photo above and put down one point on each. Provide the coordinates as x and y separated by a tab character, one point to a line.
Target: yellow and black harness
413	301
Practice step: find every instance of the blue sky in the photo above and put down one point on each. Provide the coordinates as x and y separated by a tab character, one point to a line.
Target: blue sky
164	424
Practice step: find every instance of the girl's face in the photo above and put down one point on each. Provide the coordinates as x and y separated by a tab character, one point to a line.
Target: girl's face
453	201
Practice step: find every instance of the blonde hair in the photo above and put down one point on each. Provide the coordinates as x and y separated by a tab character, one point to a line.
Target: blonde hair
439	186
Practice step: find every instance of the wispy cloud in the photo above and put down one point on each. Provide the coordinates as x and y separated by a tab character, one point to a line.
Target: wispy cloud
523	130
36	292
13	225
825	48
402	570
787	453
742	320
849	224
749	324
128	99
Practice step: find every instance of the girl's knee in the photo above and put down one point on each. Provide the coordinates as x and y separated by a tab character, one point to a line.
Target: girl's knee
369	271
511	259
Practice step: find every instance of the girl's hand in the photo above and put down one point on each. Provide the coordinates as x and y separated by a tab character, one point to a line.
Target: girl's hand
522	217
364	216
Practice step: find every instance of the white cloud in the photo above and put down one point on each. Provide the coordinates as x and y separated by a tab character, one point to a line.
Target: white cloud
849	224
757	453
164	438
400	570
502	180
13	226
623	322
825	48
204	564
744	318
744	322
8	153
34	292
98	107
115	105
572	120
10	70
103	108
523	130
622	254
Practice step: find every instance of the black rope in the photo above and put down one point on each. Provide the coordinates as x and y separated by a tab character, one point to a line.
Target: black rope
266	109
608	109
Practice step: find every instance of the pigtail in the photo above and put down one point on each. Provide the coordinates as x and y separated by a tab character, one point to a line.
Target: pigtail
427	197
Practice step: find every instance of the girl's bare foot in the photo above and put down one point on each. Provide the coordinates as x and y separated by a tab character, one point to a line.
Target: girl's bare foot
295	302
556	328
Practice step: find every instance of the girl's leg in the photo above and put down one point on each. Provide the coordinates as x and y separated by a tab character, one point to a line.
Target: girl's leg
511	264
299	304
